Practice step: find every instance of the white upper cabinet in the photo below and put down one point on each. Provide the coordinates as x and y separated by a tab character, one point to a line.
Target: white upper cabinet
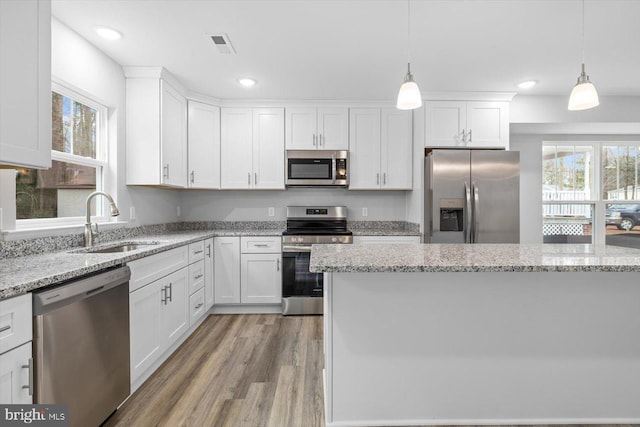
203	145
309	128
381	149
467	124
156	128
252	148
25	83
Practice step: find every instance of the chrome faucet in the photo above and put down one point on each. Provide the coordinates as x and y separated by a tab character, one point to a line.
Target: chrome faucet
88	229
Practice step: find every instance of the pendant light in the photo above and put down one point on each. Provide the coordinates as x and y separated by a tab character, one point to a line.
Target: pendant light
409	97
584	95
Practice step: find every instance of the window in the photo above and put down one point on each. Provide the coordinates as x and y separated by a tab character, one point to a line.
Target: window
591	193
58	195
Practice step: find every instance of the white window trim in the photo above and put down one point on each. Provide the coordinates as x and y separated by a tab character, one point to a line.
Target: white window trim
598	202
30	225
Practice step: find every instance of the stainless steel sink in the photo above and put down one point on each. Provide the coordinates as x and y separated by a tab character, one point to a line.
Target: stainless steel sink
123	247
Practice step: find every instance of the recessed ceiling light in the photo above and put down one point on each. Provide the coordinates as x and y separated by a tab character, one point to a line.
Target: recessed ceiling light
108	33
528	84
247	82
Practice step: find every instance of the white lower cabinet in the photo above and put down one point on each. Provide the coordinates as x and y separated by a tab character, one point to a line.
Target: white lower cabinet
196	306
16	364
14	376
158	317
209	278
252	275
261	279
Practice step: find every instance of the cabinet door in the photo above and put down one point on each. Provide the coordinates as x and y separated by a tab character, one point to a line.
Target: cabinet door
261	279
25	83
488	124
333	128
196	307
364	149
173	136
203	145
444	124
14	375
268	148
300	130
175	311
396	150
208	273
145	327
236	147
226	254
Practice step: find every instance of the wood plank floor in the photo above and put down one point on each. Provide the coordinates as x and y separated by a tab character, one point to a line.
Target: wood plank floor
237	370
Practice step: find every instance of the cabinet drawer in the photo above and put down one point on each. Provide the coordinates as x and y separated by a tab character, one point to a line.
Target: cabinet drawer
196	306
260	244
15	322
146	270
196	251
196	276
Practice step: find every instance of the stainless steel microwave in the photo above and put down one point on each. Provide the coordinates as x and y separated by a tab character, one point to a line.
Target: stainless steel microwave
321	168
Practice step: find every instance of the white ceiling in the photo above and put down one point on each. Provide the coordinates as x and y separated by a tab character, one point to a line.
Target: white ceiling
357	49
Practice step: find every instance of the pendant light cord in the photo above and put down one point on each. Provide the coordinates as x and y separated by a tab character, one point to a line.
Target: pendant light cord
583	31
409	31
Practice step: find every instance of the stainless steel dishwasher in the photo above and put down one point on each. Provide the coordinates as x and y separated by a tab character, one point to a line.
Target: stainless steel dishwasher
81	346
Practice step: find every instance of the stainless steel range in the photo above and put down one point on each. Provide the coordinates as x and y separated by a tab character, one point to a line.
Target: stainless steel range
306	225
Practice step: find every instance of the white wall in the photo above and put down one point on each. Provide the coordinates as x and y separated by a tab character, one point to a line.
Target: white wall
530	148
253	205
76	62
415	198
553	109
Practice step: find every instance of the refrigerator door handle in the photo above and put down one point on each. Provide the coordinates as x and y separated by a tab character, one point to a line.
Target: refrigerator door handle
467	214
476	223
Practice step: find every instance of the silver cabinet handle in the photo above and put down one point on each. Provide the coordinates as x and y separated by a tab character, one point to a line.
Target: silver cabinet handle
5	328
163	297
199	305
29	366
170	292
463	136
384	178
261	245
193	176
255	178
470	139
165	172
197	252
314	139
199	276
377	179
209	251
320	140
249	178
278	265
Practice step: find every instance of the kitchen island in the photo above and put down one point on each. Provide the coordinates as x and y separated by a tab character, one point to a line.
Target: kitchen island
480	334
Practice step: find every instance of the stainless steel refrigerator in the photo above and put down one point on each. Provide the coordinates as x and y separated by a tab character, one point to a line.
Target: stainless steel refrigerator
472	196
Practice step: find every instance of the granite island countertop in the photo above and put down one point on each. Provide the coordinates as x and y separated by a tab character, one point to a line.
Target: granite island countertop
27	273
473	258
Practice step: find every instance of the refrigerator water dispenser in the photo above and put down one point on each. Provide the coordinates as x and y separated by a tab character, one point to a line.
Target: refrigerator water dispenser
451	214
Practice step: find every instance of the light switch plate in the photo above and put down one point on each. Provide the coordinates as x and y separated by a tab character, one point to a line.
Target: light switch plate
365	212
272	212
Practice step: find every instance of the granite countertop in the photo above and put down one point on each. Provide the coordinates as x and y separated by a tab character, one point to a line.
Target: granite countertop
27	273
472	258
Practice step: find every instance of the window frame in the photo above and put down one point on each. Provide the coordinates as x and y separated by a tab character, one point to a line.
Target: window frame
597	201
101	162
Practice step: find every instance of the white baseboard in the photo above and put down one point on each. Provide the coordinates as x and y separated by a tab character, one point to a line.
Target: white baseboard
247	309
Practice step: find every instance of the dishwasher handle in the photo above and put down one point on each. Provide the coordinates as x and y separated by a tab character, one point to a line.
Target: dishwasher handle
79	289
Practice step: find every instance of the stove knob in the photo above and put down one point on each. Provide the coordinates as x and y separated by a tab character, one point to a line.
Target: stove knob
334	239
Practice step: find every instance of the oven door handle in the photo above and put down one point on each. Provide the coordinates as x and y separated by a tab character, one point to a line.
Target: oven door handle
302	248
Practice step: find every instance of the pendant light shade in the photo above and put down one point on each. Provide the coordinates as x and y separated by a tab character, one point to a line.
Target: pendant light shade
409	97
584	94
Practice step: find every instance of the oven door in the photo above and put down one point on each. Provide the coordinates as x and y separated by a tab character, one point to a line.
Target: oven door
297	281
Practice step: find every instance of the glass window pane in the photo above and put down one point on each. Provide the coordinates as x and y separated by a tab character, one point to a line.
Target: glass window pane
54	193
567	172
73	126
567	223
620	172
623	225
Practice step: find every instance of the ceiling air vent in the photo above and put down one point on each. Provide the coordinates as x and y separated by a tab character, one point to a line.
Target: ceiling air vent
223	43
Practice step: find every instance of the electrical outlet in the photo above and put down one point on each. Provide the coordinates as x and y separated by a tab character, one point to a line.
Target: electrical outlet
365	212
178	210
132	213
272	212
